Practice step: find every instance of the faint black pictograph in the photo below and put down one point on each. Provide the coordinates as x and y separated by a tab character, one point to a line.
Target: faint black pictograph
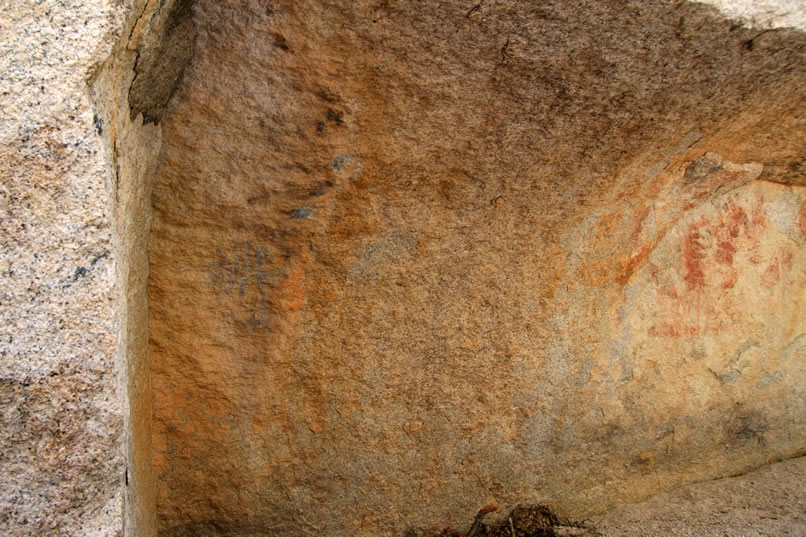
246	275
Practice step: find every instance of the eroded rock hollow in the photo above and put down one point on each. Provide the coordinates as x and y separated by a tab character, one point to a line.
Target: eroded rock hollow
411	257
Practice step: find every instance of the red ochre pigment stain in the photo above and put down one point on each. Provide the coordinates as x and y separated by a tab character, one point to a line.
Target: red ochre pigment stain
693	257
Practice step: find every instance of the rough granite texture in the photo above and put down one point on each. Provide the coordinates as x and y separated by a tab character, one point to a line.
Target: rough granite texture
74	439
61	423
408	258
764	503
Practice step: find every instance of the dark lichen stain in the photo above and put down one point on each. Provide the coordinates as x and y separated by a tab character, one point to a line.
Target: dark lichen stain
326	96
281	42
320	189
746	426
99	124
161	59
302	213
336	116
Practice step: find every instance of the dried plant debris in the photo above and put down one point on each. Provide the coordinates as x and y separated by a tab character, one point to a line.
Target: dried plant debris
523	521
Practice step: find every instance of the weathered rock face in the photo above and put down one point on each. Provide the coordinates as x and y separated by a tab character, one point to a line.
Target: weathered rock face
77	167
61	421
408	258
130	92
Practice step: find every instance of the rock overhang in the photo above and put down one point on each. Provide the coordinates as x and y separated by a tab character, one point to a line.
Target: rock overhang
503	252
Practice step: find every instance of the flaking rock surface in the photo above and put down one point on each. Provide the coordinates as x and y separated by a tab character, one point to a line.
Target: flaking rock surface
411	257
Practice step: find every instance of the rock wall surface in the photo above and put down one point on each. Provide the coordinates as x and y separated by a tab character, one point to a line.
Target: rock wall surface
76	165
61	420
411	257
130	92
408	257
